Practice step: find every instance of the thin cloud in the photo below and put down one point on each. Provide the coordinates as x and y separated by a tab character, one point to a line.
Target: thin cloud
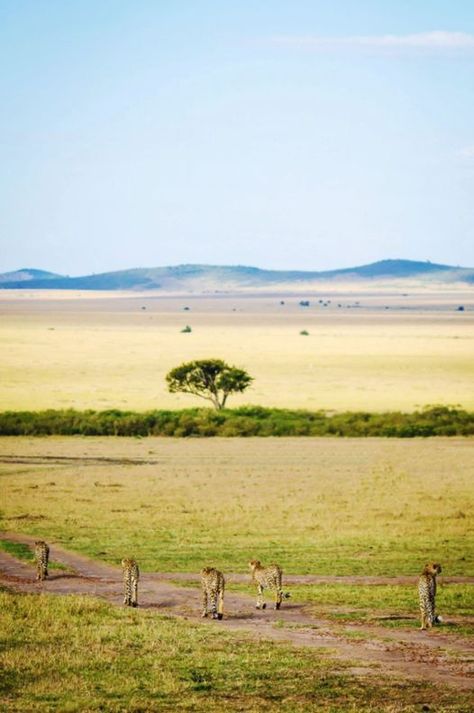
467	153
436	40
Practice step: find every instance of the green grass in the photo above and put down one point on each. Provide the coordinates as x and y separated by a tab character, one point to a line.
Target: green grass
393	606
18	550
24	552
317	506
80	654
452	599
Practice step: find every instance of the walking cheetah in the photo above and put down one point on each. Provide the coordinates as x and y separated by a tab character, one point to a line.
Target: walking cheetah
213	585
131	575
427	594
267	578
42	559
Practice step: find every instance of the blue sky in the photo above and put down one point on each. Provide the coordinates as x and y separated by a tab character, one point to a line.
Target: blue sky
302	134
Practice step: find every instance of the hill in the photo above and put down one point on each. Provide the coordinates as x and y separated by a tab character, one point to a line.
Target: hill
214	278
26	274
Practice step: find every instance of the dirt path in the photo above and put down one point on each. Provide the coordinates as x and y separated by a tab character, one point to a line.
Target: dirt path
432	656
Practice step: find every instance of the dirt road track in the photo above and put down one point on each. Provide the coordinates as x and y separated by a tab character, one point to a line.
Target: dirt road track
431	656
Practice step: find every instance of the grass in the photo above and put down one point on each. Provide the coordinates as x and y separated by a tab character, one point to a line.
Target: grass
383	605
349	506
18	550
80	654
393	606
320	506
109	353
24	552
452	599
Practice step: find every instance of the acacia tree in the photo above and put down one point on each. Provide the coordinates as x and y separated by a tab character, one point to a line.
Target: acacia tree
211	379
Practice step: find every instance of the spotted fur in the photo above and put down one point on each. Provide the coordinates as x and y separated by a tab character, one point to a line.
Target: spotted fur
213	585
267	578
131	575
42	559
427	594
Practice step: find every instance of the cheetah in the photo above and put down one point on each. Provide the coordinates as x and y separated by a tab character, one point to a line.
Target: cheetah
427	595
267	578
213	585
42	559
131	575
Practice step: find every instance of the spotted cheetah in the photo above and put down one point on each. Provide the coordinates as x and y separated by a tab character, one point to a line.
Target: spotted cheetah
213	585
42	559
427	595
267	578
131	575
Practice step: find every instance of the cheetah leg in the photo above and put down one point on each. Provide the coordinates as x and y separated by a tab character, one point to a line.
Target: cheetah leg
260	603
135	593
214	603
126	597
426	619
220	606
204	603
429	616
278	598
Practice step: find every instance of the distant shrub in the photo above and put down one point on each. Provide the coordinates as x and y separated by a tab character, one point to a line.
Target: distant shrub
186	329
244	421
304	332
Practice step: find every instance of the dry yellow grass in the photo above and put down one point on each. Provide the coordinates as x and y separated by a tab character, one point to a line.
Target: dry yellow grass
89	352
328	506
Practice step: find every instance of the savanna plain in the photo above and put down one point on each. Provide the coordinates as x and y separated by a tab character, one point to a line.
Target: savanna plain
374	351
351	521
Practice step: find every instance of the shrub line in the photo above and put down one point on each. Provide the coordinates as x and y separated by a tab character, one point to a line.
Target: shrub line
238	422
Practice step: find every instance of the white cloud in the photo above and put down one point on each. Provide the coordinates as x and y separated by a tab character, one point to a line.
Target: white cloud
467	152
436	40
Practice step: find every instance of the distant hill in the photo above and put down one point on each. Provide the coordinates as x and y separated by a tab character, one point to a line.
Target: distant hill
213	278
26	274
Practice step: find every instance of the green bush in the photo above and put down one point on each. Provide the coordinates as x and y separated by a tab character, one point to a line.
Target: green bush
244	421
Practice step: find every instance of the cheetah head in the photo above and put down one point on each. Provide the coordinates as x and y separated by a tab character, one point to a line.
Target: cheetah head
254	564
432	568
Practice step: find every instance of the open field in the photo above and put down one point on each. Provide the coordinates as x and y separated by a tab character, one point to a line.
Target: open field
89	351
81	654
78	654
351	521
371	511
371	506
157	658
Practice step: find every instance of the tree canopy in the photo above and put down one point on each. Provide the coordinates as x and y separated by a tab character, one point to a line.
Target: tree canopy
210	379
